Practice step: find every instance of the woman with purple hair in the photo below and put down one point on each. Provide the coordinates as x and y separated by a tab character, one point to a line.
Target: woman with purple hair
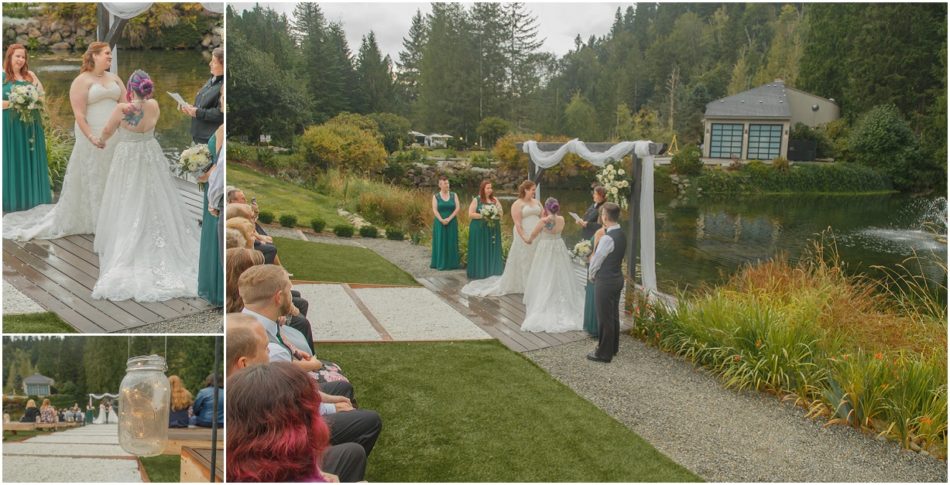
553	295
148	249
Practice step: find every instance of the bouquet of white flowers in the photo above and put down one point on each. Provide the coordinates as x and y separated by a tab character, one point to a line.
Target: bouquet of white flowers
490	214
581	250
195	157
618	190
24	98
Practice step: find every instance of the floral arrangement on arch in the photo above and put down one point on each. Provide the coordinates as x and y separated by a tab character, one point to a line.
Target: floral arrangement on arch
613	180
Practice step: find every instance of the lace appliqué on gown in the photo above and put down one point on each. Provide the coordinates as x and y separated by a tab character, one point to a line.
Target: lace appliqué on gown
147	245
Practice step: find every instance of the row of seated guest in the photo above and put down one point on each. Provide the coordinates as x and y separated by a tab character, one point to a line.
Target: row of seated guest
200	411
47	413
255	235
259	335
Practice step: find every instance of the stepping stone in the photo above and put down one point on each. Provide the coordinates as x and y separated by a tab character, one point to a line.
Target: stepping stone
67	469
335	316
418	314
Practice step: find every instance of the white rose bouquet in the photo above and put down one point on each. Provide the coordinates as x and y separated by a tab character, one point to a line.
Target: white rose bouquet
581	250
193	158
24	99
618	189
491	216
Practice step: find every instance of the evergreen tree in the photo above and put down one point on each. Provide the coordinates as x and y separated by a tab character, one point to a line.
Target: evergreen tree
375	79
410	61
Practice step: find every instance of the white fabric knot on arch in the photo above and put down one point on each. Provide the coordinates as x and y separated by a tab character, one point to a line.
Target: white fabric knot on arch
616	153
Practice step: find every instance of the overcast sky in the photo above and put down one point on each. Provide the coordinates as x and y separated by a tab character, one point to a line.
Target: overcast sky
558	23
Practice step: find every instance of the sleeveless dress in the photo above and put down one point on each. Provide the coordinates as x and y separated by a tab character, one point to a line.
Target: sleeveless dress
513	279
25	169
210	268
77	210
553	296
484	248
445	238
590	309
148	247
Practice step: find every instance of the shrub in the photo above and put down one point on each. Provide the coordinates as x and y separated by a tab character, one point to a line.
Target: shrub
59	146
781	164
317	225
369	231
266	157
347	142
822	141
343	230
687	161
265	217
480	160
288	220
394	130
394	234
240	152
491	129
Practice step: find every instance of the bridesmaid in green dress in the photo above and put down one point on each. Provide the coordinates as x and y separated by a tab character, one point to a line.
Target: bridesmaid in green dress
590	310
484	242
445	228
25	170
210	269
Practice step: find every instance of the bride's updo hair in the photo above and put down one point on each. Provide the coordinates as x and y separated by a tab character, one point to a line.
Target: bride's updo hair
140	84
88	63
552	205
524	188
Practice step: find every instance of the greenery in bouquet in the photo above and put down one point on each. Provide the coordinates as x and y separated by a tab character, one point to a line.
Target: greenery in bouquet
24	99
617	187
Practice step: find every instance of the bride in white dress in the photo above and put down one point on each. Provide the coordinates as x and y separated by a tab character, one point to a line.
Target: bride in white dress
525	212
148	249
107	415
93	96
553	296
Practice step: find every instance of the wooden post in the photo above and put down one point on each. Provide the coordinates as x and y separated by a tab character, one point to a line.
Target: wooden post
633	242
107	31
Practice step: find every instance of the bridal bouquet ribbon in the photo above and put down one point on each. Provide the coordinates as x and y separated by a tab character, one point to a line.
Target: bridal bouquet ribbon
618	189
193	158
24	99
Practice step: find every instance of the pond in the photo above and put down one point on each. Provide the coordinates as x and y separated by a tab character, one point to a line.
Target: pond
181	71
704	241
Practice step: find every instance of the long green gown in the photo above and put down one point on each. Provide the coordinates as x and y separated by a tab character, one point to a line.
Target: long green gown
25	169
210	270
445	239
590	310
484	248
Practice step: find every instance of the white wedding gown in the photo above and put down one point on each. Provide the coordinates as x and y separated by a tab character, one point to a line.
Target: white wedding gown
106	416
512	280
553	297
77	210
148	248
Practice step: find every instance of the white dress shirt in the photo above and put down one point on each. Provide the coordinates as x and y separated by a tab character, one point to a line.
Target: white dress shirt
604	247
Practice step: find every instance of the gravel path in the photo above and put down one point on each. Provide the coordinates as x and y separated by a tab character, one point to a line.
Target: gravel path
206	322
87	454
15	302
723	435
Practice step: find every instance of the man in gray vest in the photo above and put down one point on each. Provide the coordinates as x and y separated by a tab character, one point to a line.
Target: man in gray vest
606	273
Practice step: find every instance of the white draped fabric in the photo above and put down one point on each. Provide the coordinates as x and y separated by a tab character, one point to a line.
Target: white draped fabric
544	159
100	396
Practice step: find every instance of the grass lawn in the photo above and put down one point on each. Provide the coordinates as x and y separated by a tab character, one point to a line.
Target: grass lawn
35	323
478	412
280	198
162	468
344	264
22	435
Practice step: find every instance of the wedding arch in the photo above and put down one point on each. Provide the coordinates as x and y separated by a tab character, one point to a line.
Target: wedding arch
642	216
100	396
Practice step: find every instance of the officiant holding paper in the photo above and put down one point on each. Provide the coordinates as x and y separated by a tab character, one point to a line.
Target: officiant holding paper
206	113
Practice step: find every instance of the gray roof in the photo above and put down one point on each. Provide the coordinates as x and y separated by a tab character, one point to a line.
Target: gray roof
766	101
38	379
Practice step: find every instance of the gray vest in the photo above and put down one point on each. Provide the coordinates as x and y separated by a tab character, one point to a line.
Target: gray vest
613	263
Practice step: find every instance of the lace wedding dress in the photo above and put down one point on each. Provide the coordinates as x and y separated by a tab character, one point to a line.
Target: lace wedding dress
512	280
148	248
77	210
106	415
553	296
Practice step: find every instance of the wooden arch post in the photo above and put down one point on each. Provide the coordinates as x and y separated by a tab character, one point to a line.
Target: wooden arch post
106	31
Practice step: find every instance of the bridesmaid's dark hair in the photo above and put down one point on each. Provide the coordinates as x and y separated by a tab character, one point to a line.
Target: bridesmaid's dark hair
442	177
524	188
601	191
481	190
8	64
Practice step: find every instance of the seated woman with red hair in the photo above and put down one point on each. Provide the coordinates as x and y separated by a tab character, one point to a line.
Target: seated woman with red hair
275	432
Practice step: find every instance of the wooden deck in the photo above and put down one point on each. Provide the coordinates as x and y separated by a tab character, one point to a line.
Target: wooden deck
500	317
180	438
59	275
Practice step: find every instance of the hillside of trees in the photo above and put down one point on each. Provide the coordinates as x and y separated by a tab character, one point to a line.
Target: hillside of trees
93	364
649	76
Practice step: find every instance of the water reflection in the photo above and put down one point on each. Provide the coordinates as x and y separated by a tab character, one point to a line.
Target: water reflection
706	240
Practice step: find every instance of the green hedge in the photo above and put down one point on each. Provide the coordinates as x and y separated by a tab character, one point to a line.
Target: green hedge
761	178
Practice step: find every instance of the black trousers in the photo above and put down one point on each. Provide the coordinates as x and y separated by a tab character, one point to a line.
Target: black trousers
607	304
347	461
269	250
358	426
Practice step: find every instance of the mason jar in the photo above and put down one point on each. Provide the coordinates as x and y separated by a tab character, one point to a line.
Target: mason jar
144	397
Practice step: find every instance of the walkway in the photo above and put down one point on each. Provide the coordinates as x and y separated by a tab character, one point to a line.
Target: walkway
59	274
87	454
